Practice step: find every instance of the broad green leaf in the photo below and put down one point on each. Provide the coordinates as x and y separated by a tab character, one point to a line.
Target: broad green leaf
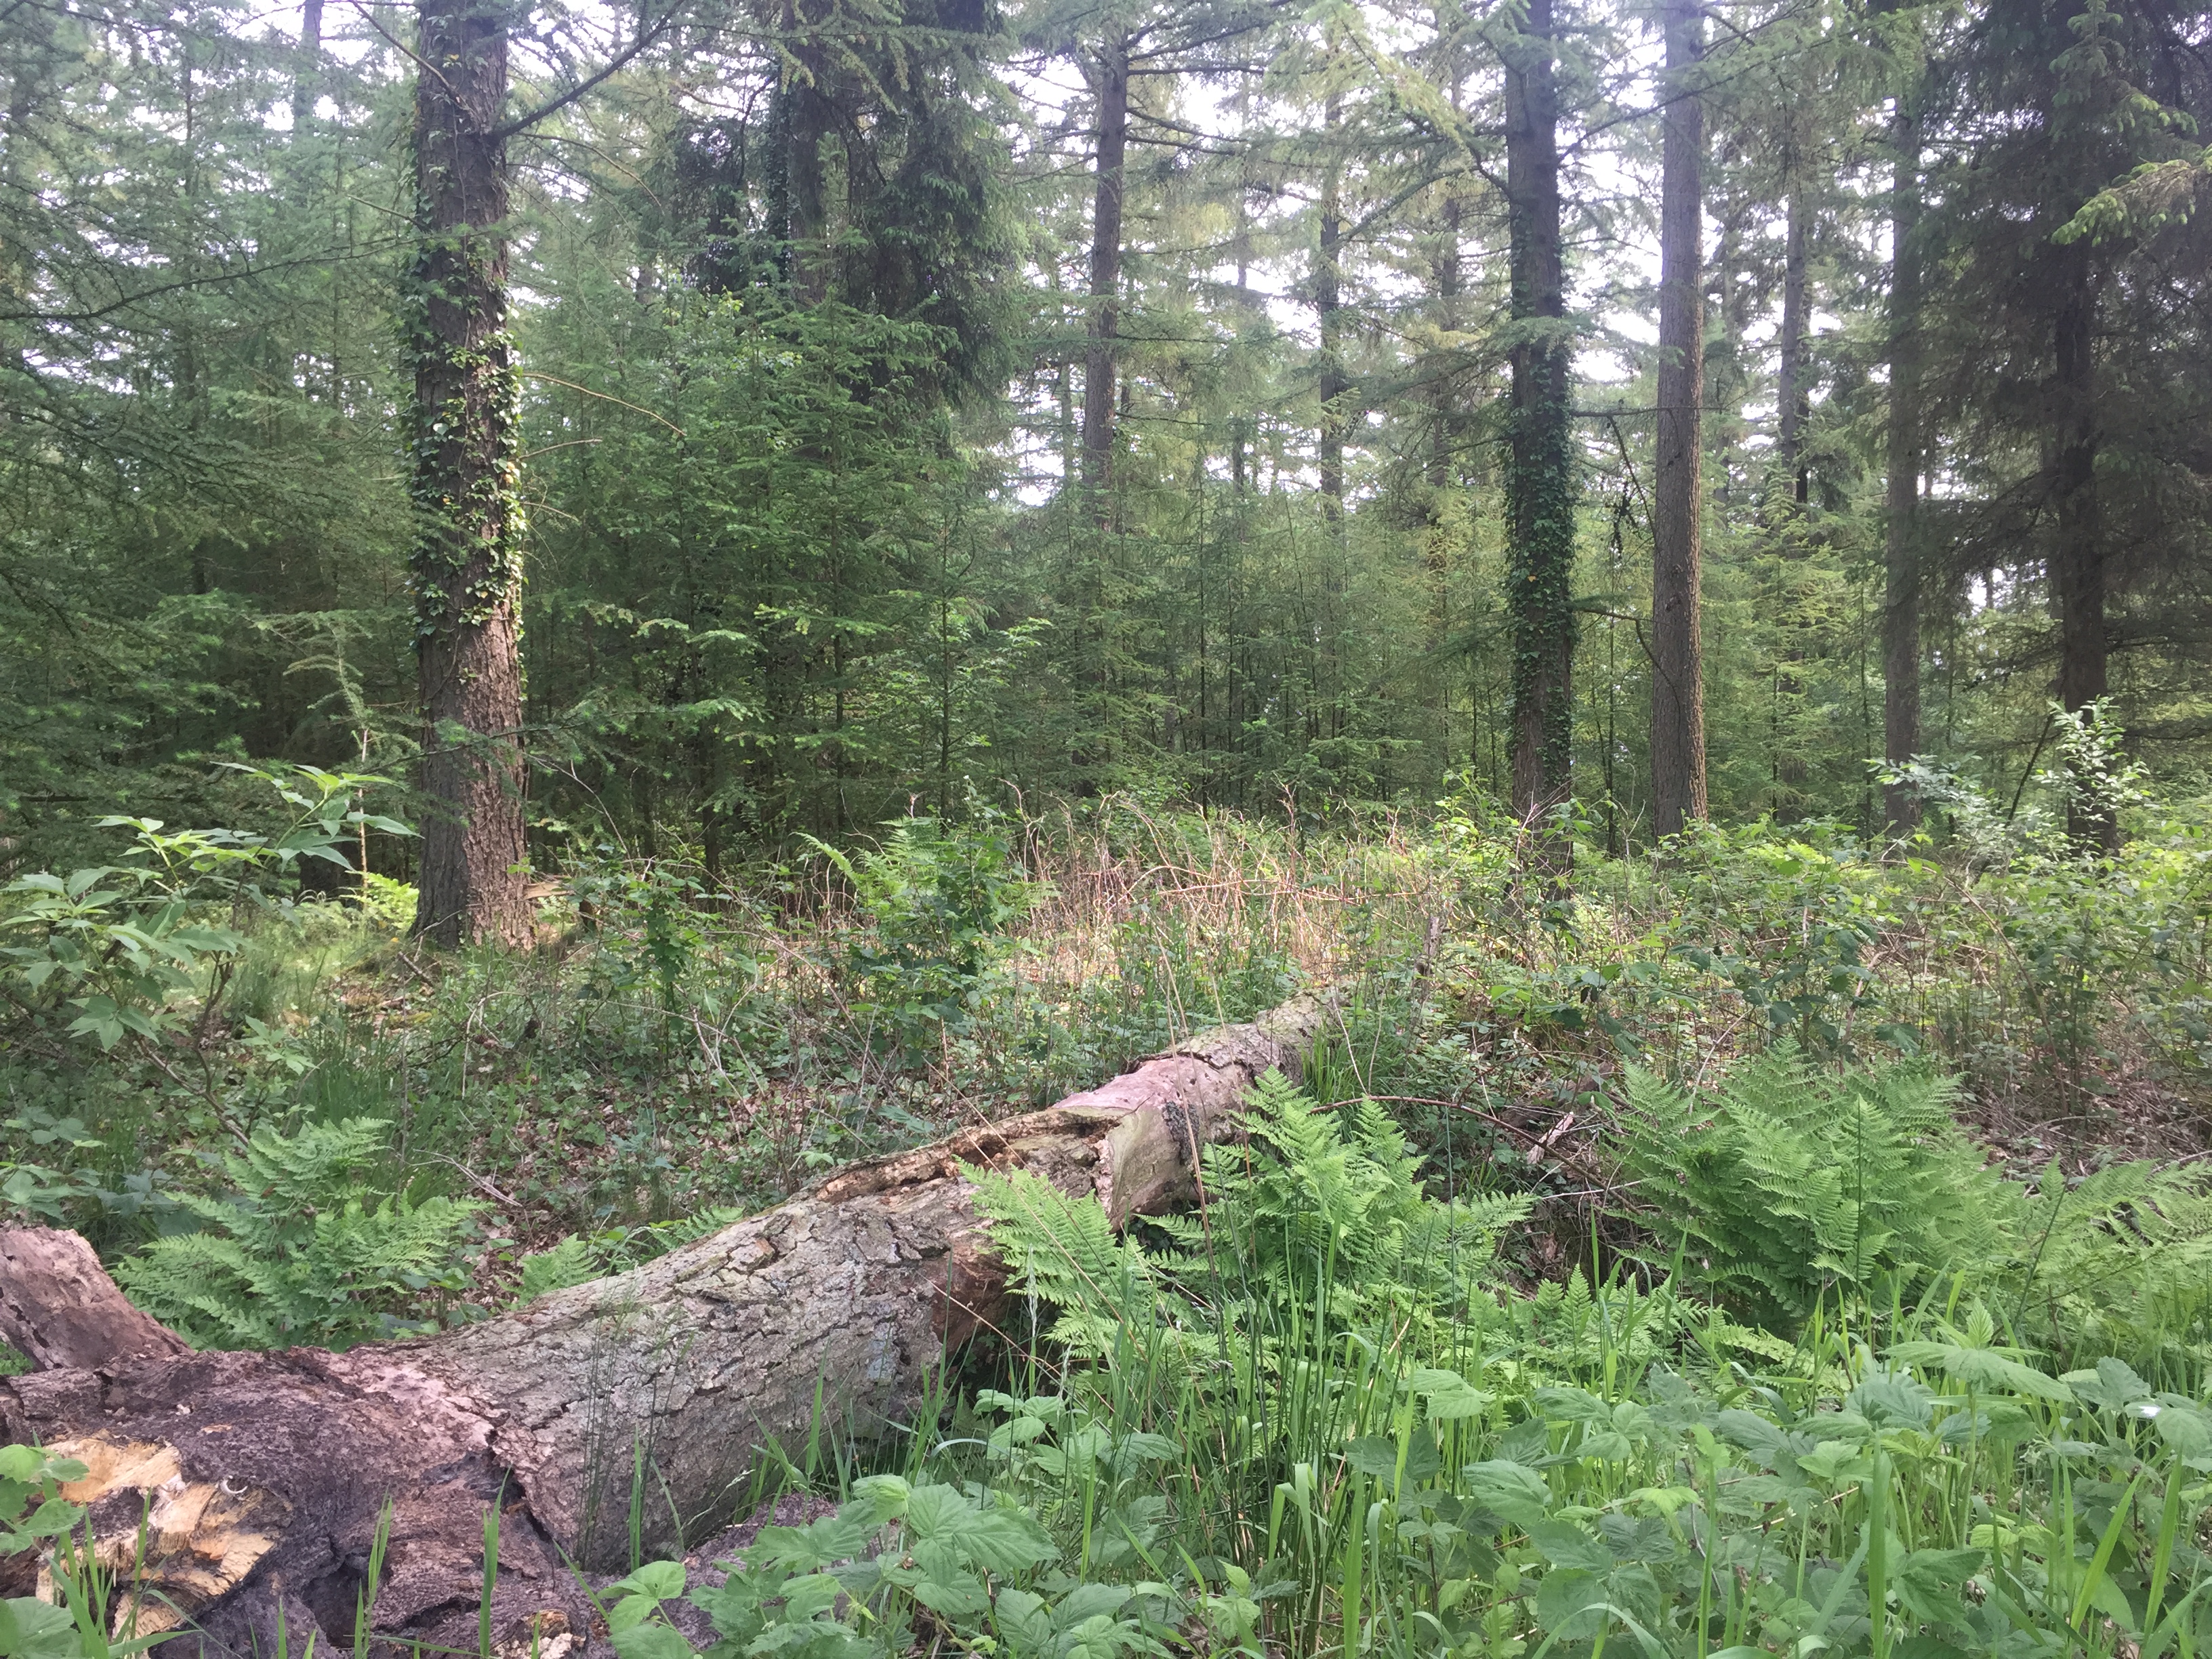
1512	1492
1983	1370
661	1580
32	1629
647	1641
1565	1545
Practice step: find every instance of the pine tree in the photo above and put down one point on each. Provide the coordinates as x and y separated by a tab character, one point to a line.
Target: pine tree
1677	697
1540	484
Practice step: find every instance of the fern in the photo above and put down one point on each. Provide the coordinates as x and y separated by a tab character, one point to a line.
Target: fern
1784	1183
1785	1180
571	1261
1328	1207
2118	1263
579	1258
302	1250
1315	1215
1063	1252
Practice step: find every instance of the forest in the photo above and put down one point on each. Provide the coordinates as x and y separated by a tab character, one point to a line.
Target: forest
1128	831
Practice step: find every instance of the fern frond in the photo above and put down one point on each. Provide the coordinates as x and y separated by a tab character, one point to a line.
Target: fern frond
303	1251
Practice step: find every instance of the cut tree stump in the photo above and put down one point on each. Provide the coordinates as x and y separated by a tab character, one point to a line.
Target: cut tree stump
644	1400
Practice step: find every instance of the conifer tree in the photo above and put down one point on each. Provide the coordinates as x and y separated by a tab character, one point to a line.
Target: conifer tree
1540	484
1677	697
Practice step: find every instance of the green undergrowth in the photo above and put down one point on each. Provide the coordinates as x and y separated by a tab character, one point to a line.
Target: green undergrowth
1771	1355
1318	1422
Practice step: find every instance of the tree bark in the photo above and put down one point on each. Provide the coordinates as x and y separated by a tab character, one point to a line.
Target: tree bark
1678	698
1444	441
806	113
60	1309
1790	434
637	1406
1329	309
307	76
1541	488
1110	86
466	562
2077	564
1900	617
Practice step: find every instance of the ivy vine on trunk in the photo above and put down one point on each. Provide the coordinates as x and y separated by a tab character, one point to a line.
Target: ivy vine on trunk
465	447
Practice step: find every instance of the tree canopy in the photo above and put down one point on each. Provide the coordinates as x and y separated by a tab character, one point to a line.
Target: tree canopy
898	403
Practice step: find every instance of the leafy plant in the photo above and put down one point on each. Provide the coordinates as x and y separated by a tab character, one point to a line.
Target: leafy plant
937	897
1316	1214
579	1258
74	1620
898	1558
1783	1182
1783	1186
303	1248
122	944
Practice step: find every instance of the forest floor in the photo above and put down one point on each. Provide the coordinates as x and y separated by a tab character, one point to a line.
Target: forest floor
669	1050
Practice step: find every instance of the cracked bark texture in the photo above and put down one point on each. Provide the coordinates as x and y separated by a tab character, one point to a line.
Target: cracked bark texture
263	1474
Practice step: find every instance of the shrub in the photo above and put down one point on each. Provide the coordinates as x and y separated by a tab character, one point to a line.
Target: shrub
937	898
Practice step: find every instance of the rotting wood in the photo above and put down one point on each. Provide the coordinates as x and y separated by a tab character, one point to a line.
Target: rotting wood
654	1393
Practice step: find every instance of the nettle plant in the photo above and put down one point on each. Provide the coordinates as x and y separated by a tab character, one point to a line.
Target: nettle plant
124	949
937	899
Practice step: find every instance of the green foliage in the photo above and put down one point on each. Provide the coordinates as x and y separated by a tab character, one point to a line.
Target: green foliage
1722	1497
1783	1187
937	898
80	1618
1315	1197
33	1514
121	944
304	1248
1784	1182
1314	1228
579	1258
571	1261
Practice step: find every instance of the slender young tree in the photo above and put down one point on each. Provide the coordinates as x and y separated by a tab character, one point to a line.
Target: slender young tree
1540	484
464	443
1109	85
1678	701
1328	307
1900	613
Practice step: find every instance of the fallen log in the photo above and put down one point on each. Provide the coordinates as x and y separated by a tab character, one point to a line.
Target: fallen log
636	1406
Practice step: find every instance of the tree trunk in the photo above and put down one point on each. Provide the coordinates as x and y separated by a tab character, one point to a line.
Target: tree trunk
1900	617
806	116
1540	493
466	562
635	1408
1444	442
307	76
1329	309
1790	435
1110	85
2077	564
1677	697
